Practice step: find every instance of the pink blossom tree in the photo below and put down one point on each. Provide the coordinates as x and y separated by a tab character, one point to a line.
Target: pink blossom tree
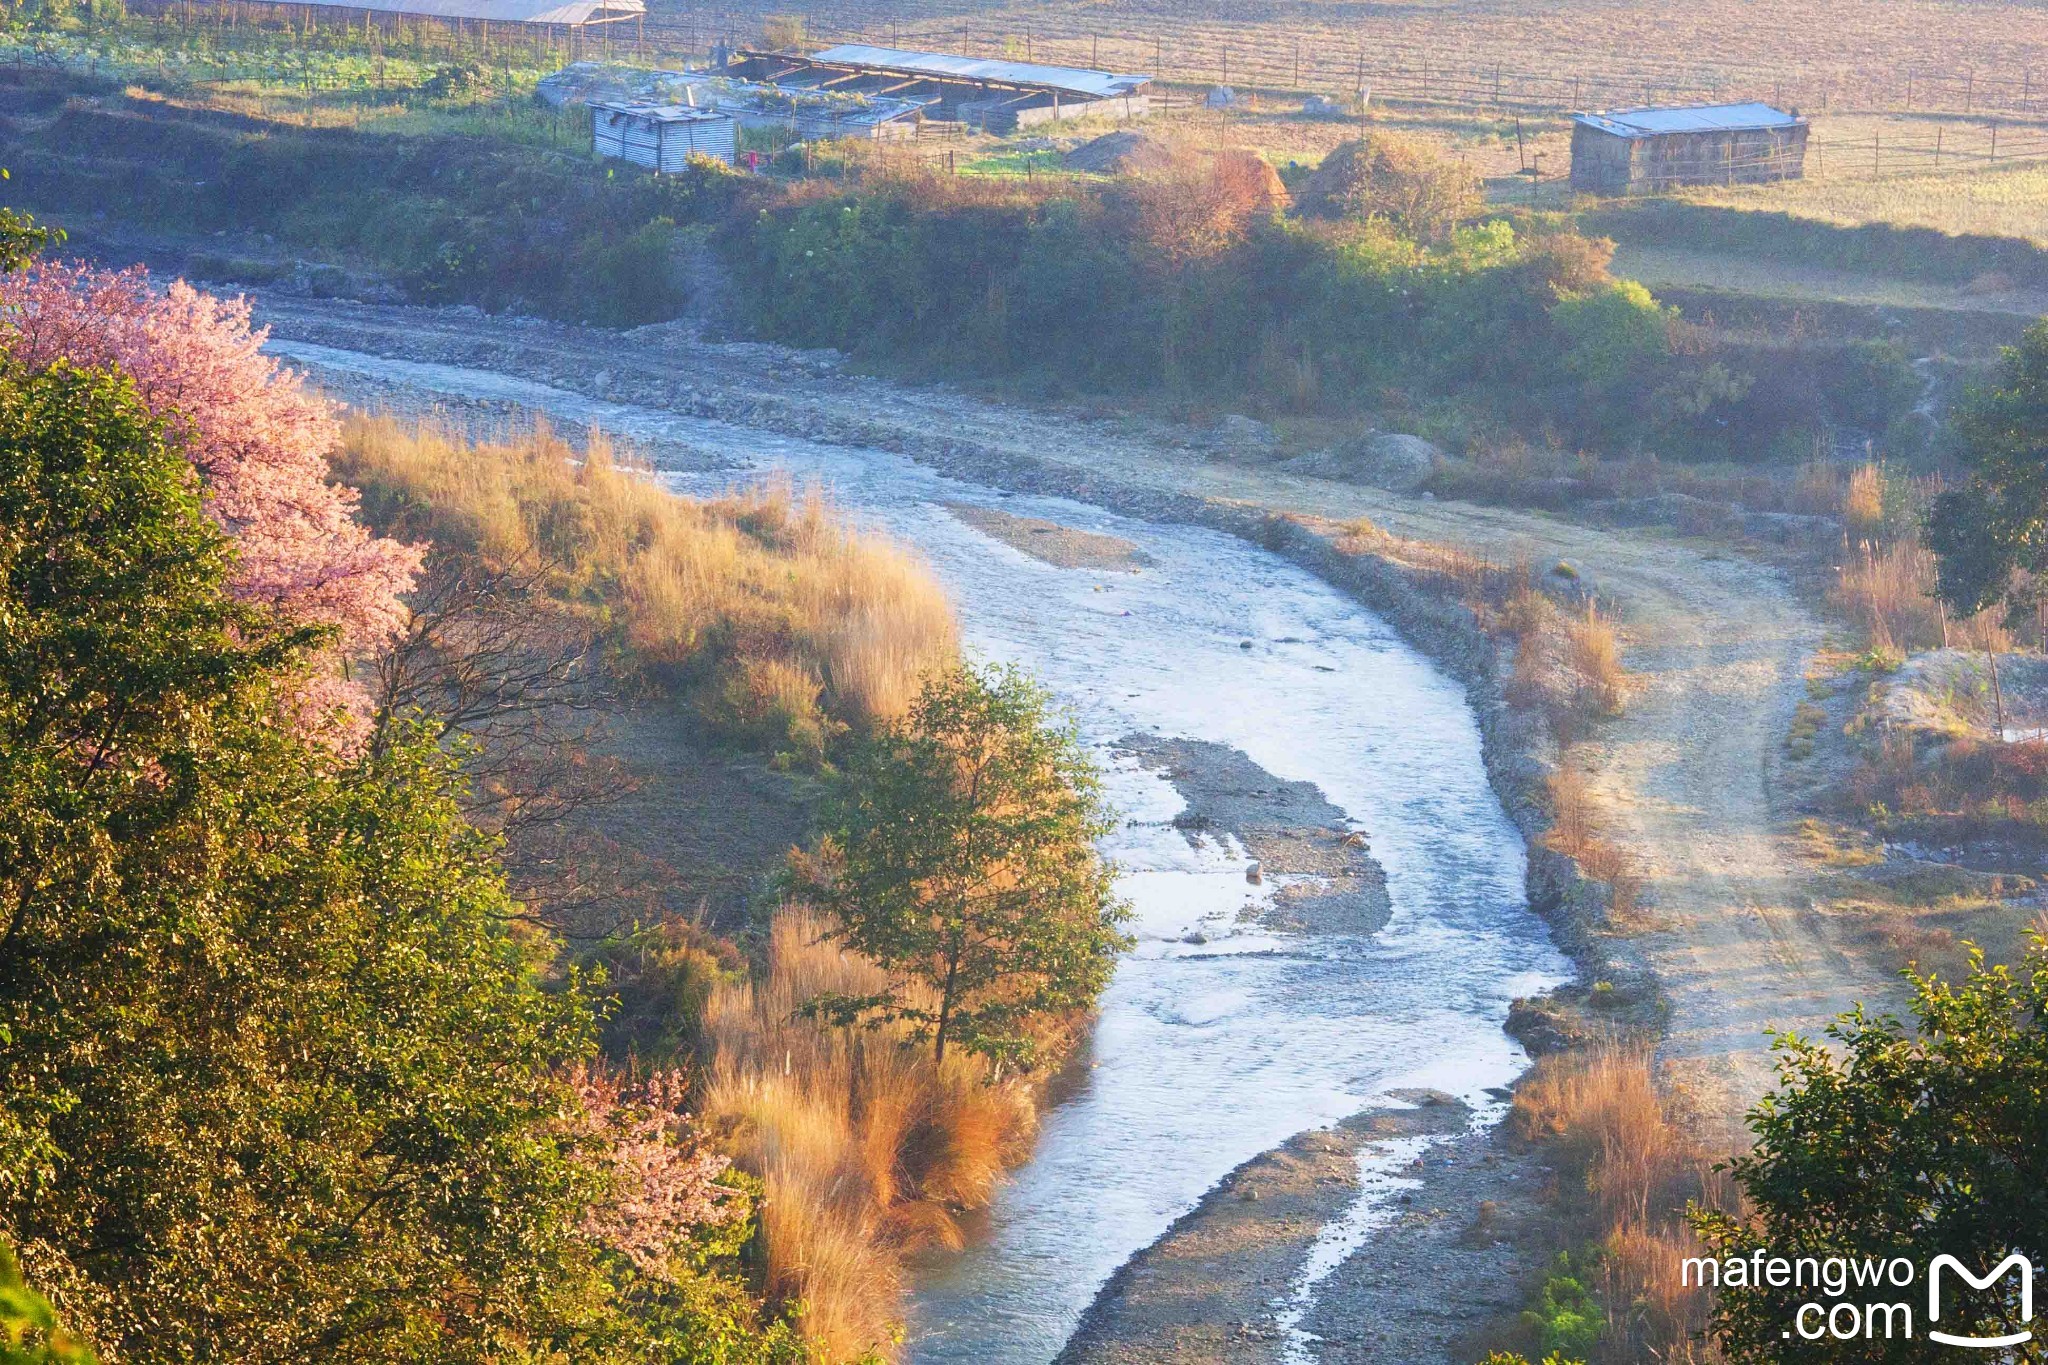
664	1183
259	438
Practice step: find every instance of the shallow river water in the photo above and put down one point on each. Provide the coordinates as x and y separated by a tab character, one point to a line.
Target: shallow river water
1205	1054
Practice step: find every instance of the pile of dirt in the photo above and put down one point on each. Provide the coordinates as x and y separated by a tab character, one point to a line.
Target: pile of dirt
1120	153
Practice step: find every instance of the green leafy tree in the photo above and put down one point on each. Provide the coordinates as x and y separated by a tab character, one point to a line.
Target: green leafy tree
278	1081
961	857
1888	1141
1998	521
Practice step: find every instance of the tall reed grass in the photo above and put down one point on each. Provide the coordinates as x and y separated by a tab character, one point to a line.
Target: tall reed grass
775	614
868	1150
1628	1169
1887	589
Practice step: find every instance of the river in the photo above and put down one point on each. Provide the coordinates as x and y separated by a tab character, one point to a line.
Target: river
1206	1053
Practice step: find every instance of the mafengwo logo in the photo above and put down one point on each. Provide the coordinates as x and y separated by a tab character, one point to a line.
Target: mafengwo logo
1839	1312
2010	1263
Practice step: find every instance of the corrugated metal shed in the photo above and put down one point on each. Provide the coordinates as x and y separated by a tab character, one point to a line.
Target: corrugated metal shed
661	137
1704	118
499	11
1072	80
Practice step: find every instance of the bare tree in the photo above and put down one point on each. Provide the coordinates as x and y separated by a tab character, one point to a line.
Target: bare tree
489	660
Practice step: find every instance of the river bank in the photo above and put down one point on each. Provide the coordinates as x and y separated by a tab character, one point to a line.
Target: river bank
1686	779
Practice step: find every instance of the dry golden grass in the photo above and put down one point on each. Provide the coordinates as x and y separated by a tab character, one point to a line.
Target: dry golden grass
867	1149
1574	831
781	618
1987	202
1885	588
1593	651
1863	502
1567	663
1628	1169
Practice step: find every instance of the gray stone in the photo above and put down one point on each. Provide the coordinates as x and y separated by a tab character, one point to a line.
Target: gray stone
1390	460
1245	434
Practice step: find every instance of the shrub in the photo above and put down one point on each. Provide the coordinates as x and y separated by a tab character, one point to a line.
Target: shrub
1864	1124
1397	178
1614	335
959	855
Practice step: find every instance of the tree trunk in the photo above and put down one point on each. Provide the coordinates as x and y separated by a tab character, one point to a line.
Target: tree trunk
1997	692
945	1008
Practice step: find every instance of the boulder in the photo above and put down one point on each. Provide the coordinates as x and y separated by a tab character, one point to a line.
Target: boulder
1391	460
1222	97
1244	435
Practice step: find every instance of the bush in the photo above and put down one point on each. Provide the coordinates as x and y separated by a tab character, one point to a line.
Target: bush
1866	1123
1402	180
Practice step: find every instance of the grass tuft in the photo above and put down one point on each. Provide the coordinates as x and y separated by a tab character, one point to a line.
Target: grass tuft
868	1150
780	620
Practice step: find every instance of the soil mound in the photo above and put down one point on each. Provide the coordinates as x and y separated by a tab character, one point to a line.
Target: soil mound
1121	153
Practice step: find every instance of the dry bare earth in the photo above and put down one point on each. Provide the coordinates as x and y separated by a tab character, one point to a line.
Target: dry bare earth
1848	53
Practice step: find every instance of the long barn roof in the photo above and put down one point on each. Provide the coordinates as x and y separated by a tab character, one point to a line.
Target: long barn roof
1701	118
1072	80
500	11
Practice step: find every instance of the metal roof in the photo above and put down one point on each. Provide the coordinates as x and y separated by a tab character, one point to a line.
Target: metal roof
1071	80
1702	118
661	113
501	11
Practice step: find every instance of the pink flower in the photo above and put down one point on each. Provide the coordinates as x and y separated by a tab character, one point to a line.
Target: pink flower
259	439
664	1185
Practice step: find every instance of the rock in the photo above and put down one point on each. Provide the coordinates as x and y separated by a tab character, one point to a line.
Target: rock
1543	1025
1221	97
1318	106
1389	460
1242	434
1254	875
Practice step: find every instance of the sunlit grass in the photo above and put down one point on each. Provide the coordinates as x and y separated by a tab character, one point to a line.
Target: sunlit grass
1994	203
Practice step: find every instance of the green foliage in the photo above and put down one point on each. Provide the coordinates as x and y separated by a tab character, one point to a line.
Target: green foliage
29	1331
1074	289
1566	1320
1510	1358
456	219
1998	521
1612	335
1871	383
1888	1141
280	1080
960	855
